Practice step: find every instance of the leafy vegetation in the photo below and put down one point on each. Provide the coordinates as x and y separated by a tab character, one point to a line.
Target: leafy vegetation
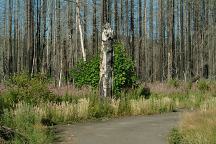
30	89
28	102
124	74
174	83
87	73
203	85
175	136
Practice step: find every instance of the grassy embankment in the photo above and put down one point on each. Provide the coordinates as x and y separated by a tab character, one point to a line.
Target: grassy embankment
197	127
28	104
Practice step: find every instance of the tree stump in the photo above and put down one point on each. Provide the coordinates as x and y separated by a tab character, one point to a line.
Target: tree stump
106	63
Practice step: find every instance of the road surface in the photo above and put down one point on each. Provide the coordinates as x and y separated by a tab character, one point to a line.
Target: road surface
130	130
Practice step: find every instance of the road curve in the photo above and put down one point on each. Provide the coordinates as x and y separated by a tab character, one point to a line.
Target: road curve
130	130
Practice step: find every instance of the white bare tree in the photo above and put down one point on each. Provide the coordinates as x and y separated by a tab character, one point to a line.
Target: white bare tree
106	65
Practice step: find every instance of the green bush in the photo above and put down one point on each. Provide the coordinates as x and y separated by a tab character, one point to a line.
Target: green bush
174	83
87	73
124	74
31	89
203	85
175	137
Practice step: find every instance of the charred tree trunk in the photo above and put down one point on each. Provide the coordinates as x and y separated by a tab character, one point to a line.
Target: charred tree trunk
171	53
151	45
132	33
30	36
106	65
116	18
140	41
182	35
5	50
161	38
94	29
10	46
104	18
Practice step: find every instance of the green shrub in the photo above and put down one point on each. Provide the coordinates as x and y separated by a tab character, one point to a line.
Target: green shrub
31	89
87	73
174	83
175	136
124	74
203	85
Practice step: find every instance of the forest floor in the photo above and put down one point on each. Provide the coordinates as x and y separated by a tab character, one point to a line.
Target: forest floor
136	129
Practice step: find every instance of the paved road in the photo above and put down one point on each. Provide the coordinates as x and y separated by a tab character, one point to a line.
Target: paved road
130	130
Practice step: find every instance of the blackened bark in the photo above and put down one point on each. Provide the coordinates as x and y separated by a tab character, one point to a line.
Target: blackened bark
106	64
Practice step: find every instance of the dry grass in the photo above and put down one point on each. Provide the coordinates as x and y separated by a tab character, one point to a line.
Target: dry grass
199	127
166	88
138	106
183	87
61	112
86	91
68	112
208	104
82	108
72	91
150	106
165	98
26	120
115	106
65	111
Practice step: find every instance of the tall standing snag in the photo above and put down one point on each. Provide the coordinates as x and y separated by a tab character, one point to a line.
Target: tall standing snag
106	65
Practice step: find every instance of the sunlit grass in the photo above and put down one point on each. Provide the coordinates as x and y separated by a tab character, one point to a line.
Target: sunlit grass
26	121
115	106
26	117
198	127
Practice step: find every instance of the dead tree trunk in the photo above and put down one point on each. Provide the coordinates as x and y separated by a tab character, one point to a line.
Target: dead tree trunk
80	29
106	64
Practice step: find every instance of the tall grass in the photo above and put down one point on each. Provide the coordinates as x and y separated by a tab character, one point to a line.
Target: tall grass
151	106
197	127
95	107
208	104
26	121
88	108
28	101
65	111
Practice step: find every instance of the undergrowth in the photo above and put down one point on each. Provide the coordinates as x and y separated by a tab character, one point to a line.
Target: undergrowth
27	124
198	127
28	101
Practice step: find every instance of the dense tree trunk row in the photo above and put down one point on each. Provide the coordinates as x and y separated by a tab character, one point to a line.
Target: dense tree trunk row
166	39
